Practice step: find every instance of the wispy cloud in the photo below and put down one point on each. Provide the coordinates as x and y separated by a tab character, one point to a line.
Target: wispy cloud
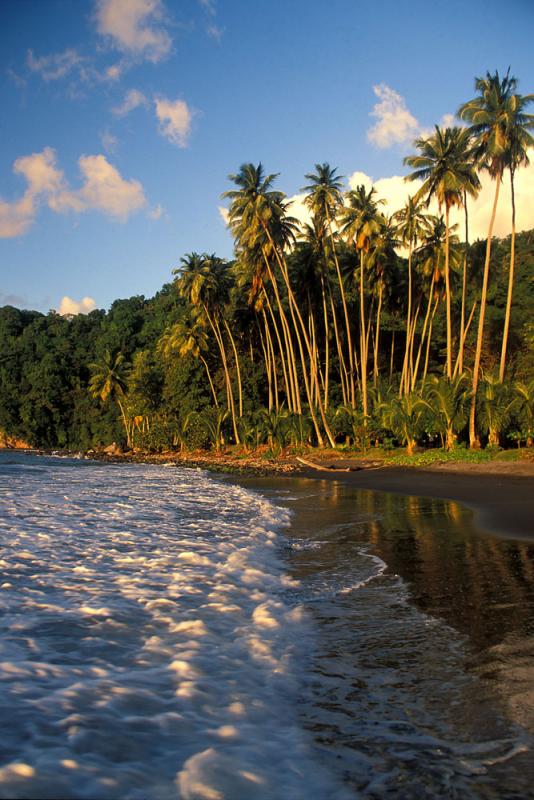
109	141
42	179
55	66
135	27
132	100
395	123
70	306
175	118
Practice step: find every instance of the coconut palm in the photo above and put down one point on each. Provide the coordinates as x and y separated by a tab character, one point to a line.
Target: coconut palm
412	224
403	416
361	222
524	408
488	114
495	407
324	199
447	400
519	142
205	282
446	168
259	215
109	381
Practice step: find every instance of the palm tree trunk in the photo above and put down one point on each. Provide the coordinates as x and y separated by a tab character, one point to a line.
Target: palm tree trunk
210	380
405	377
326	345
473	440
291	360
363	342
391	356
510	286
377	335
346	314
460	360
267	360
462	343
238	370
429	340
423	333
125	423
286	369
270	348
448	295
218	336
341	359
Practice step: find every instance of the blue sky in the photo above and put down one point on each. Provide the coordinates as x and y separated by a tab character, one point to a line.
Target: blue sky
122	118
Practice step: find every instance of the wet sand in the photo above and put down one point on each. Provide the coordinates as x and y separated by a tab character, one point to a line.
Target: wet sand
503	502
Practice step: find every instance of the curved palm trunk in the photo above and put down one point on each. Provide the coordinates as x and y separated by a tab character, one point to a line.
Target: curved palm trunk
238	370
448	295
267	360
125	423
473	440
270	348
510	286
405	377
346	315
457	369
210	380
423	334
286	369
427	357
342	366
463	334
377	334
296	315
218	336
291	360
363	340
326	345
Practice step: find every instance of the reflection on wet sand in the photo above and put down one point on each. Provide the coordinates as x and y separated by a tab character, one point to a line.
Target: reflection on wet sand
425	665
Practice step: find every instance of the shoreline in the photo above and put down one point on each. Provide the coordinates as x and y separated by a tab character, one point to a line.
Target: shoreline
500	493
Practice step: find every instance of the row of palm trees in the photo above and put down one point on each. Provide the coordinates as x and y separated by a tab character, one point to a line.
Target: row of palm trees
309	300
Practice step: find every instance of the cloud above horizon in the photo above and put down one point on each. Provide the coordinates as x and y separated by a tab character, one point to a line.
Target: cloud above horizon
395	123
70	306
103	189
132	100
175	118
135	27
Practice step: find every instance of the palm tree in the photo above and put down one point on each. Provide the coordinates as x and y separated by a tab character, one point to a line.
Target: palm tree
488	114
524	409
204	281
258	216
447	171
324	199
361	222
519	142
446	400
109	380
187	338
412	224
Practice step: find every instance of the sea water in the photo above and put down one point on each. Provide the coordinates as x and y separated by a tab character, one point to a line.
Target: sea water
165	634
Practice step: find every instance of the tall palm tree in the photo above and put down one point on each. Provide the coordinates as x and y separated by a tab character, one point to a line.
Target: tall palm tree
447	170
259	214
361	222
324	199
488	114
204	281
519	142
109	381
412	224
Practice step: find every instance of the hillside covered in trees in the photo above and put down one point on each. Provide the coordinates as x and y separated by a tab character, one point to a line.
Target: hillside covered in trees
45	361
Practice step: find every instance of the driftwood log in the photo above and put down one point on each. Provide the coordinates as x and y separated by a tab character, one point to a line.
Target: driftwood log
327	468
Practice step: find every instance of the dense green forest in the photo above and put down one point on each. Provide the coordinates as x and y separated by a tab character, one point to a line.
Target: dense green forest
354	329
45	362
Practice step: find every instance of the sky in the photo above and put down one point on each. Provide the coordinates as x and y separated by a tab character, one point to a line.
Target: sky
122	119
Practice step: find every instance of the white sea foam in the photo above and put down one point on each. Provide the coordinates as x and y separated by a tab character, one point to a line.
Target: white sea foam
147	649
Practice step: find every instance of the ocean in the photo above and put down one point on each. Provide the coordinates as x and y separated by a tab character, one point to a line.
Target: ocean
167	634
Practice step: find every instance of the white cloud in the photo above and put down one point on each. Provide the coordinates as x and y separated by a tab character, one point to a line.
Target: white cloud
215	32
104	190
395	191
174	120
224	214
135	27
56	65
70	306
395	123
132	100
42	178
